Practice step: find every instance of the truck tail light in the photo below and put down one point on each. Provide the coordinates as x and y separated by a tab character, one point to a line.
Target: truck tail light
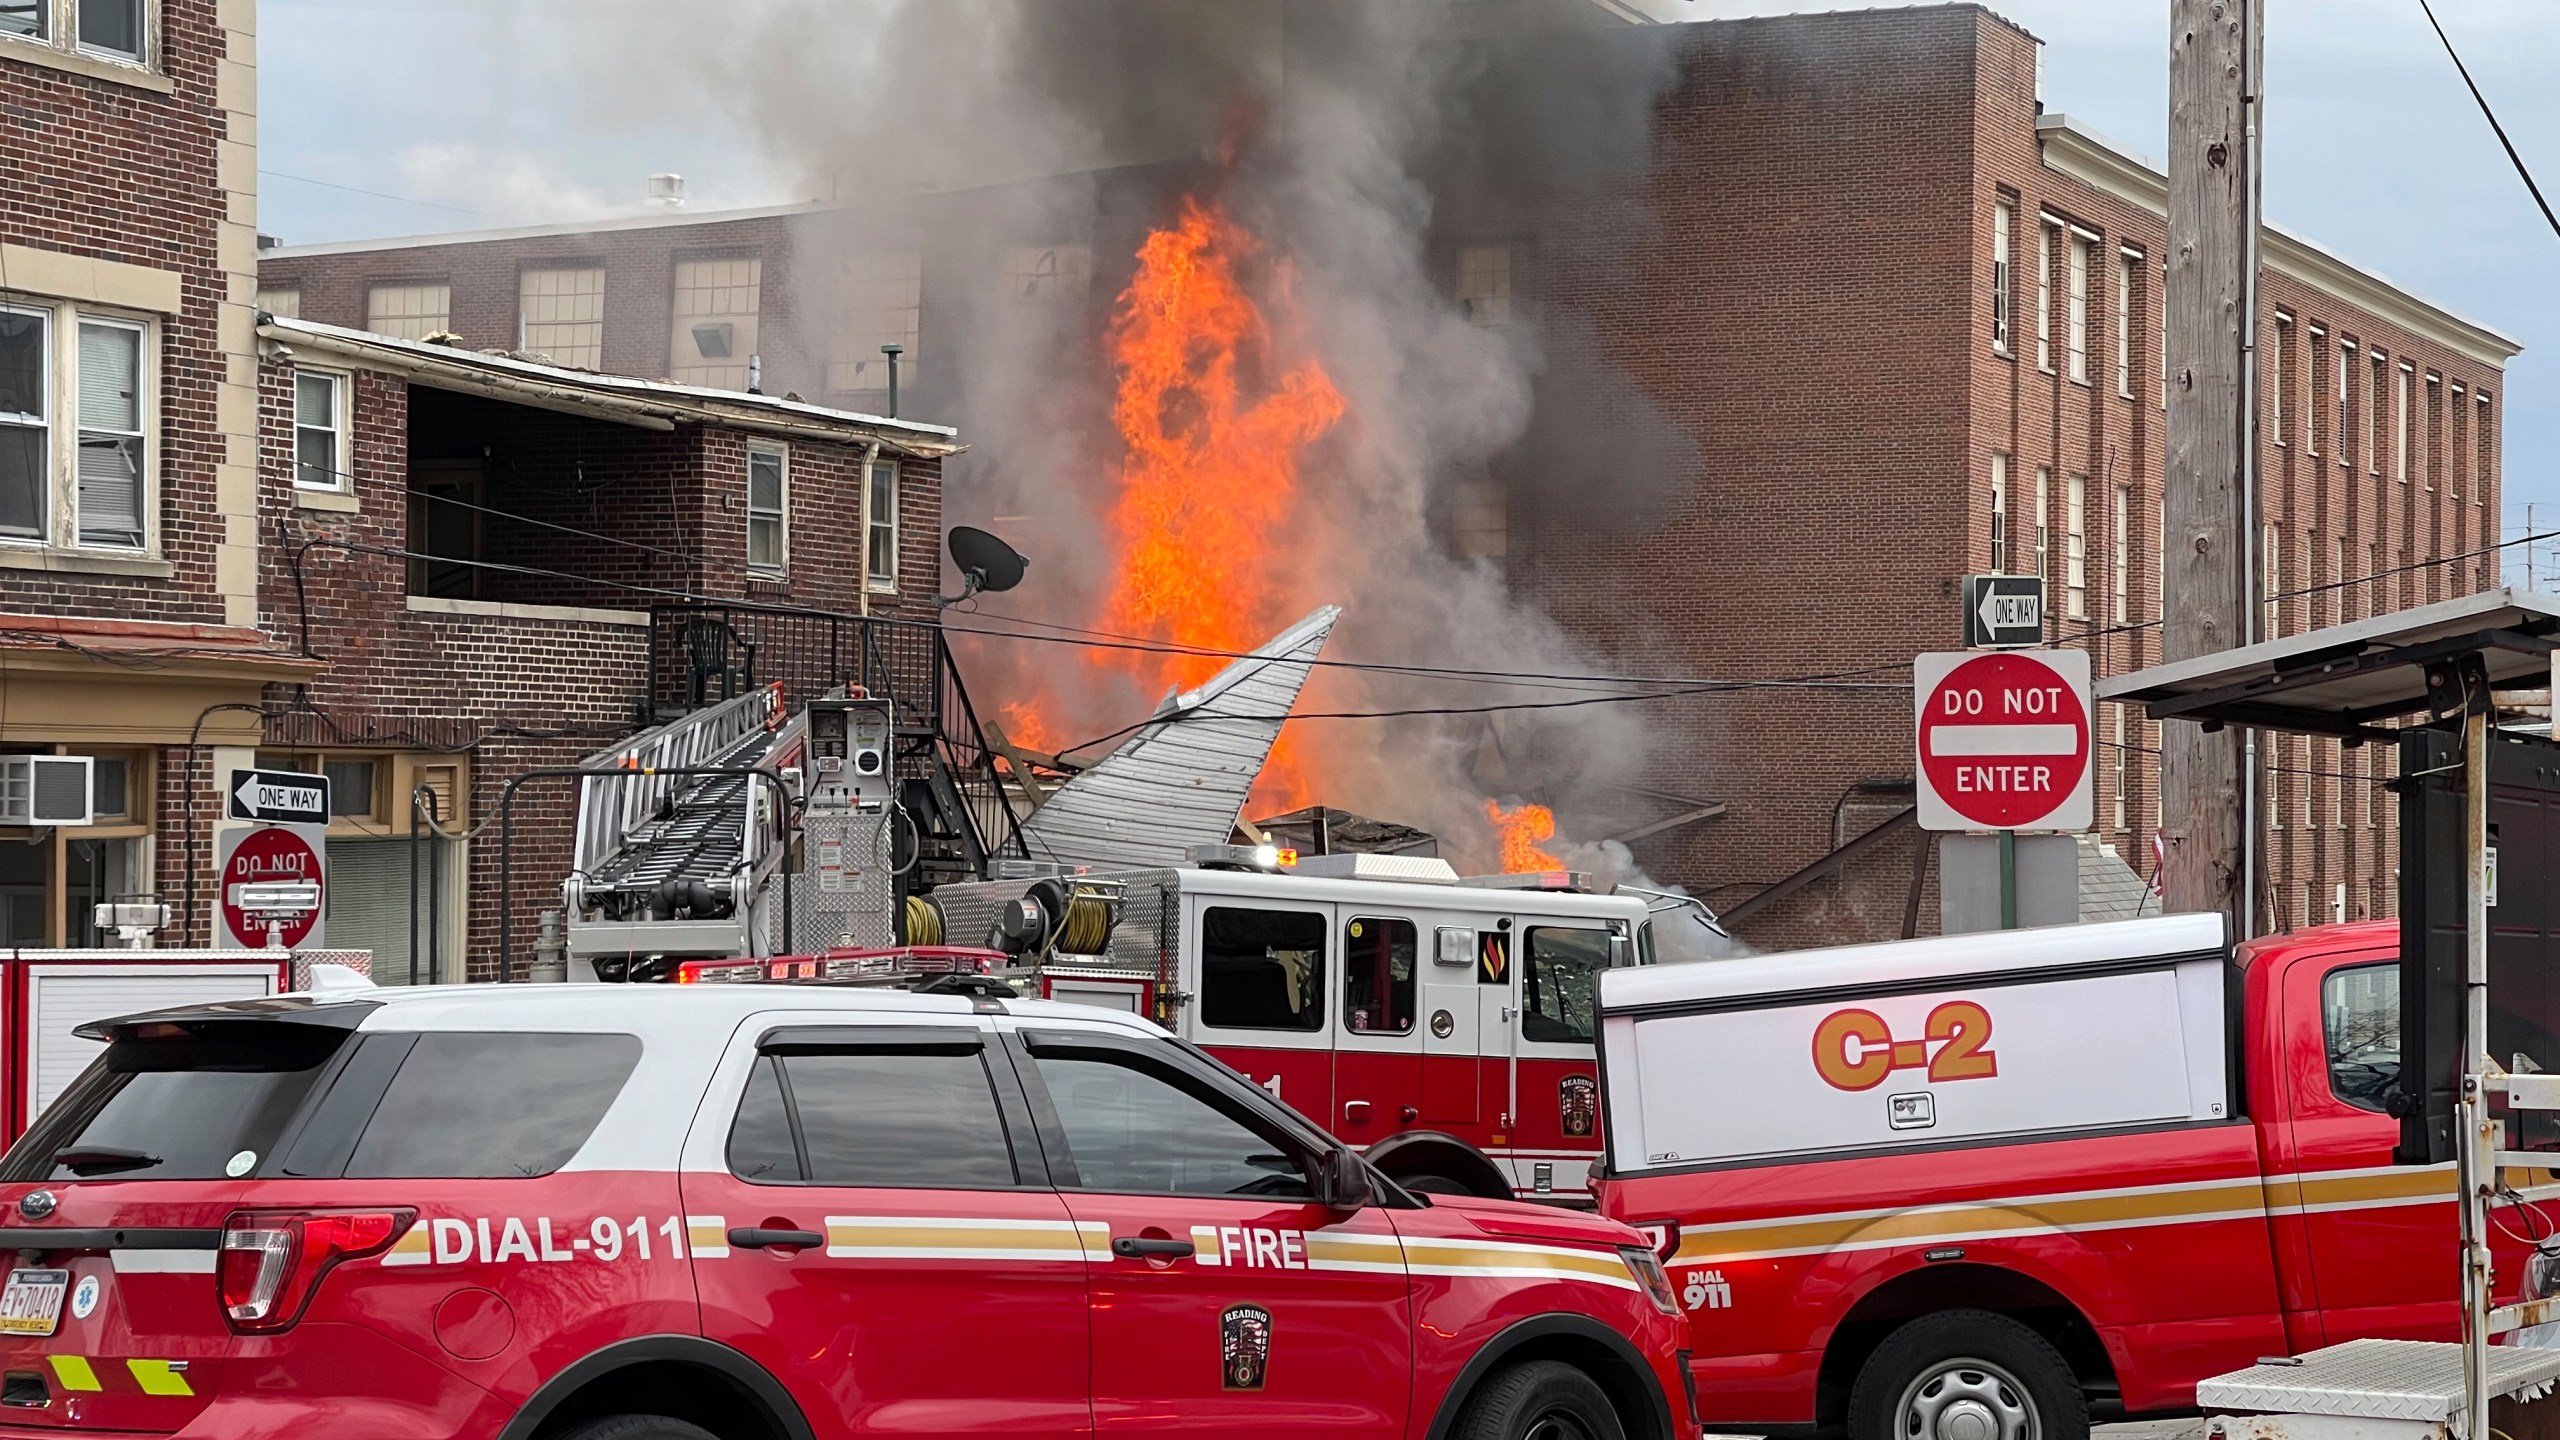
1663	1235
273	1260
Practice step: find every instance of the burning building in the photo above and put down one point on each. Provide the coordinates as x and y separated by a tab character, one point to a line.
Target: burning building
1638	390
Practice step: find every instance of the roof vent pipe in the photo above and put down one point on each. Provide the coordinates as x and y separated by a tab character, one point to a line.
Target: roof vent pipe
755	374
893	350
666	191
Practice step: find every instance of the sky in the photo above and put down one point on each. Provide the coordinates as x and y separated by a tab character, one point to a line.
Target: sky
454	114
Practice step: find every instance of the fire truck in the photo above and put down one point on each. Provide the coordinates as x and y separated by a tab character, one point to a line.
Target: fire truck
1444	1026
2006	1184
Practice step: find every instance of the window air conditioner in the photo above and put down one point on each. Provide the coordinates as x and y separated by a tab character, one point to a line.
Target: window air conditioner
46	790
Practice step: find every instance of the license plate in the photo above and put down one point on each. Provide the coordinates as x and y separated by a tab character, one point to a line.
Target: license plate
32	1303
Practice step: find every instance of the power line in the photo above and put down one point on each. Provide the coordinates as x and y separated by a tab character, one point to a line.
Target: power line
2492	117
376	194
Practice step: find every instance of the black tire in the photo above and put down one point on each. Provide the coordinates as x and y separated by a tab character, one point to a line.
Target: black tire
1428	1184
634	1427
1538	1400
1967	1375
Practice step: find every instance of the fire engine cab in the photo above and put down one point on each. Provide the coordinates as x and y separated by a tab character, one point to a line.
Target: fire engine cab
1442	1026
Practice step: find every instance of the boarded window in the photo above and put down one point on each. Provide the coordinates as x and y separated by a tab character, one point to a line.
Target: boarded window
716	305
409	312
562	315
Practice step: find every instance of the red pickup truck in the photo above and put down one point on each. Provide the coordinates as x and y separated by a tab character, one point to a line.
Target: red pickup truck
1995	1187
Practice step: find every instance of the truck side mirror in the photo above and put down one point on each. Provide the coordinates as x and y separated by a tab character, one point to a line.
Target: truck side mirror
1342	1181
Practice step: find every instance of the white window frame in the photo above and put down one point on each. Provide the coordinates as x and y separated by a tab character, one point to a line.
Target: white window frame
2275	378
2120	559
2126	263
2123	765
341	419
2046	228
143	28
2318	348
2376	362
2001	542
873	524
2077	248
779	518
2402	381
44	424
145	400
2075	547
2044	521
61	34
2347	357
2004	278
2272	558
60	520
2482	439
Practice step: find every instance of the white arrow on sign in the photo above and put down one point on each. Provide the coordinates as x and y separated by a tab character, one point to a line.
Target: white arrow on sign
297	799
2011	612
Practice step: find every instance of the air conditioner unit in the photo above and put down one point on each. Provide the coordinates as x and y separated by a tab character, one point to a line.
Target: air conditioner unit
46	790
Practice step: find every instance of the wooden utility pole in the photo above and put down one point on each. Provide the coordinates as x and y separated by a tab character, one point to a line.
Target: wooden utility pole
2207	599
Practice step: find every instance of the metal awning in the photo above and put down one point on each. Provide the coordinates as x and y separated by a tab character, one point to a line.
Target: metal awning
2348	680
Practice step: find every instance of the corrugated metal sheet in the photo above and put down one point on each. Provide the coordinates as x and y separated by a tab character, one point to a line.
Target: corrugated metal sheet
1182	780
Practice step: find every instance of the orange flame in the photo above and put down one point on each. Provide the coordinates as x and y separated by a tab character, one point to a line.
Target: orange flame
1210	483
1520	832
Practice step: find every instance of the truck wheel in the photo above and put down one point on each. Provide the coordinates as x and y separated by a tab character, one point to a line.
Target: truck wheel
1432	1185
1966	1375
1538	1400
635	1427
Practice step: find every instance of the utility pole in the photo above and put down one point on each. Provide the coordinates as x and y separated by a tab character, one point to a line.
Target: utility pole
2212	512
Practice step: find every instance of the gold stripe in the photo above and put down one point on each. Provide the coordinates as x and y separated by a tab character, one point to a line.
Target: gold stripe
1451	1253
74	1372
910	1236
156	1378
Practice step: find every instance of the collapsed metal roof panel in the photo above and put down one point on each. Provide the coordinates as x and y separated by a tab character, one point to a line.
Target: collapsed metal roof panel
1182	781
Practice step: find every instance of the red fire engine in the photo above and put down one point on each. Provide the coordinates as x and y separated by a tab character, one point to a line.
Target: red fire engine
2001	1185
1444	1027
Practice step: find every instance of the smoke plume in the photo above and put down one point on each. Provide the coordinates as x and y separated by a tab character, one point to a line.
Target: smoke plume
1360	141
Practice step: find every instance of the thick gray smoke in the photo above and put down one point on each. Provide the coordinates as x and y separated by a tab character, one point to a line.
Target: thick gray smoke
1359	139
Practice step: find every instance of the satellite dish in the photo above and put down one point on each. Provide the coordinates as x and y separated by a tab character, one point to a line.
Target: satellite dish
986	563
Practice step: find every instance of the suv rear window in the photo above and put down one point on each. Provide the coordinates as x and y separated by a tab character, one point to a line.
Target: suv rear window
186	1107
473	1106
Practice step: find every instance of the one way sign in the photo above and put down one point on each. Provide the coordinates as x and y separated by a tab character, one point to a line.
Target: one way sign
2001	611
279	797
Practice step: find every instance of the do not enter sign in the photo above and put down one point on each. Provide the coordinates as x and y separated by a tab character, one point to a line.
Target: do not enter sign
2004	740
257	863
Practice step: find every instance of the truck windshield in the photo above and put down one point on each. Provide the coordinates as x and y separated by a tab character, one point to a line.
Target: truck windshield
188	1107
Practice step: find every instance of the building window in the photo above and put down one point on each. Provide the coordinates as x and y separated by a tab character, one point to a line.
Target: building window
110	487
880	524
2077	317
884	305
24	17
409	312
2126	264
2004	220
1999	513
2484	435
282	304
1046	274
2400	424
2434	457
25	421
716	304
2120	558
320	459
2310	773
2316	425
2373	403
2075	551
2123	765
560	313
1484	284
2045	231
2044	520
2337	591
2276	372
1481	520
112	27
2272	560
2458	451
768	509
2346	373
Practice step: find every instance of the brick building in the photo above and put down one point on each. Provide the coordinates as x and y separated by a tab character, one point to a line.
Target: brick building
503	566
1906	321
129	524
1913	322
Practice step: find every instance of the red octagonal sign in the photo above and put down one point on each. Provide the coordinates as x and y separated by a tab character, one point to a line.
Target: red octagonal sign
2004	740
266	856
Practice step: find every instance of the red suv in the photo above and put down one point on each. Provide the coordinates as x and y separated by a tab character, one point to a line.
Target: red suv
757	1213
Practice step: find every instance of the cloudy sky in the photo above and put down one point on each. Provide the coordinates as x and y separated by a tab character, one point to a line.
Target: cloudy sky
457	115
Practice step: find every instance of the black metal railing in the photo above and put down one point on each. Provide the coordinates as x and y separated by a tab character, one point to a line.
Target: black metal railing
703	653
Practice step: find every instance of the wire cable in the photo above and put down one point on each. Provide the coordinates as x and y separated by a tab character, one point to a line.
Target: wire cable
2492	117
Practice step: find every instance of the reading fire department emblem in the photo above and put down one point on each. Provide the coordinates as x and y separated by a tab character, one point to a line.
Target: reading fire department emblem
1578	1103
1244	1346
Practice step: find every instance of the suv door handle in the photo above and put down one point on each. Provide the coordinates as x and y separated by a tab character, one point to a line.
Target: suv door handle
1136	1246
756	1237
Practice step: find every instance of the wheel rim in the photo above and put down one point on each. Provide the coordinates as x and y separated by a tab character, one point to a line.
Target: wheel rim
1557	1424
1966	1399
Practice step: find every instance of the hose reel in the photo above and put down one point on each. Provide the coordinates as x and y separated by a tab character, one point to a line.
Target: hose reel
1068	917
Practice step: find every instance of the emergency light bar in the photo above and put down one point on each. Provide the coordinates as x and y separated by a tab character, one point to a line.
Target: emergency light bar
851	965
1563	882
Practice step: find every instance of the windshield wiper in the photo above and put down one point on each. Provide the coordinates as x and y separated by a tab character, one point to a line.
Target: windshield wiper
87	1160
